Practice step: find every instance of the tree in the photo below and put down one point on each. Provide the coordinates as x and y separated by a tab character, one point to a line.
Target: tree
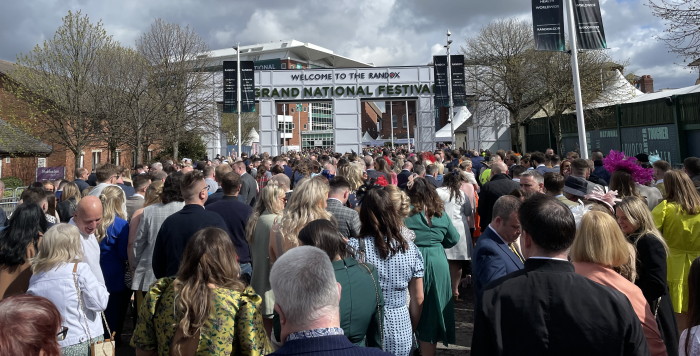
598	83
229	126
178	56
682	17
57	79
500	61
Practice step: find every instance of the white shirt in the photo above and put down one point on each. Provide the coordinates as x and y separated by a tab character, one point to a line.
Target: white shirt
91	253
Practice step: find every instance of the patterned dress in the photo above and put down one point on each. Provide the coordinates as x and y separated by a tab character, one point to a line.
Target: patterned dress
394	274
234	326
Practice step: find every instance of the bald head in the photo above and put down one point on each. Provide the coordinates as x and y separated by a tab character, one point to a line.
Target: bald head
499	168
88	214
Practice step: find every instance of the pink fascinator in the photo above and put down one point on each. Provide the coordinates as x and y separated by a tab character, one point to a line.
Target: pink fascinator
616	161
609	198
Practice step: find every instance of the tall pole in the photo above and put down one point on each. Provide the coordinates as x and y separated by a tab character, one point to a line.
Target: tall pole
580	122
391	119
449	91
284	127
299	107
408	127
238	95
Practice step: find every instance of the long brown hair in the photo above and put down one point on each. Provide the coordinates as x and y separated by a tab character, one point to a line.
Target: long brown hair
680	190
209	258
381	220
424	199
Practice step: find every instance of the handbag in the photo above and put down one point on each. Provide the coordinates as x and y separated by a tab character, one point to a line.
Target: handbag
99	348
362	254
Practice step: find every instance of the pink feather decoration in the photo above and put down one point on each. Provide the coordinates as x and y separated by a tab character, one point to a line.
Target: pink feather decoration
617	161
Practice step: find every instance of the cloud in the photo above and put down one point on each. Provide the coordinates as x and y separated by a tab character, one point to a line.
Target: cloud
383	32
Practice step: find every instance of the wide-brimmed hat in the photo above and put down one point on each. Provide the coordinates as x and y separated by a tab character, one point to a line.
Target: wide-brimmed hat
576	186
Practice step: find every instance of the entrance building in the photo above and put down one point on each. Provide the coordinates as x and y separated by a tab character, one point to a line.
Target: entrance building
333	101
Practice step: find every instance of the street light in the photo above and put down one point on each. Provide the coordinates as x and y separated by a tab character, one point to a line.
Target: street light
449	90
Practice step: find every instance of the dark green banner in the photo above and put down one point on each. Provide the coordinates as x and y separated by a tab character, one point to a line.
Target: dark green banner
589	25
548	25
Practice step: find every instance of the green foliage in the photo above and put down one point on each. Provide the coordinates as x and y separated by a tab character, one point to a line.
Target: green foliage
12	182
190	145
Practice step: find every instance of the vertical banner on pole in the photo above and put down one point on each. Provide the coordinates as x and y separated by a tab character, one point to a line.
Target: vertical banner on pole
459	90
247	86
440	75
589	25
548	25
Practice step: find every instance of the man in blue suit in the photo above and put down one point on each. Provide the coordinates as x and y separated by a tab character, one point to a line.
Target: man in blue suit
495	254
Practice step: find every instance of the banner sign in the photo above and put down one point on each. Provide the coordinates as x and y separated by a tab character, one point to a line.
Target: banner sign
247	86
50	173
589	25
548	25
459	94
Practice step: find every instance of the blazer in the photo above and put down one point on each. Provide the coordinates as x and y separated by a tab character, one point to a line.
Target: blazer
436	183
174	234
249	189
498	186
402	178
548	309
236	215
348	219
492	260
326	345
133	203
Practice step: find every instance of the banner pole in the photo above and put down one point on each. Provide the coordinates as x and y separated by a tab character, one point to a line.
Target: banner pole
238	96
580	121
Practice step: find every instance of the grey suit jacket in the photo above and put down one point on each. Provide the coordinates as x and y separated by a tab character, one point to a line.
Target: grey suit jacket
133	203
348	219
249	189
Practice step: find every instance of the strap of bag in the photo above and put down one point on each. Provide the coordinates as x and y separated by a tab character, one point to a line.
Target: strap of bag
81	314
380	314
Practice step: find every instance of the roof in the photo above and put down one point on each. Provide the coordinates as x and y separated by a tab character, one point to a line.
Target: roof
15	142
460	117
291	49
665	94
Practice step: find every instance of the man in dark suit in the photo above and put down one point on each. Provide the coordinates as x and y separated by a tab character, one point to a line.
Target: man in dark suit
431	175
348	219
307	300
178	228
249	187
369	168
499	185
81	176
236	215
548	309
402	177
135	201
219	173
495	254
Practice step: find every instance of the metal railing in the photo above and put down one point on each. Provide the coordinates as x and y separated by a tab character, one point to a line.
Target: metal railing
9	199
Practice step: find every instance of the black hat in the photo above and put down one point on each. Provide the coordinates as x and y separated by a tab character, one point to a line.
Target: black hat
576	186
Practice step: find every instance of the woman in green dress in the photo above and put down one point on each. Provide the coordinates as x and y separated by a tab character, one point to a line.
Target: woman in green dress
361	301
206	309
434	233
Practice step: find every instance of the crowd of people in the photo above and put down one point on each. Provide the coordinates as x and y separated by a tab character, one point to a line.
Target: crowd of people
365	253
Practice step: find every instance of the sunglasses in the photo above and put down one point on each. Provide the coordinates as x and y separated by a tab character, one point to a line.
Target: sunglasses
62	334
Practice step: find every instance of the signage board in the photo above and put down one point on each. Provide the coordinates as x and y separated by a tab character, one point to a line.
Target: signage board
247	86
548	25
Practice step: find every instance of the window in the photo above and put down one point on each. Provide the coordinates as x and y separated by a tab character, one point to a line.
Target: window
405	121
117	157
81	163
96	158
7	159
394	122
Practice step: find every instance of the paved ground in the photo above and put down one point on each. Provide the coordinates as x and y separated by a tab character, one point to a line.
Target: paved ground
464	323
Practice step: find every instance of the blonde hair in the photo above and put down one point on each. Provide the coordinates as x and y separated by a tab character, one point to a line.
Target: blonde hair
71	190
153	193
599	240
268	200
353	173
112	199
399	199
305	205
638	214
680	190
60	245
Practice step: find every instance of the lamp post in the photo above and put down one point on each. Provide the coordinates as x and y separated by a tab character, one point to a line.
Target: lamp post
238	95
449	90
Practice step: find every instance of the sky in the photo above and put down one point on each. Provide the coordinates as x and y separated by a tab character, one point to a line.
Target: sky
382	32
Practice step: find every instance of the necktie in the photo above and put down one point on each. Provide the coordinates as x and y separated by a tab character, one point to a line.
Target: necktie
515	251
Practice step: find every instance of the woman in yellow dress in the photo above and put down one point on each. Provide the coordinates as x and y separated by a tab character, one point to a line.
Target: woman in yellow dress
206	309
678	219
